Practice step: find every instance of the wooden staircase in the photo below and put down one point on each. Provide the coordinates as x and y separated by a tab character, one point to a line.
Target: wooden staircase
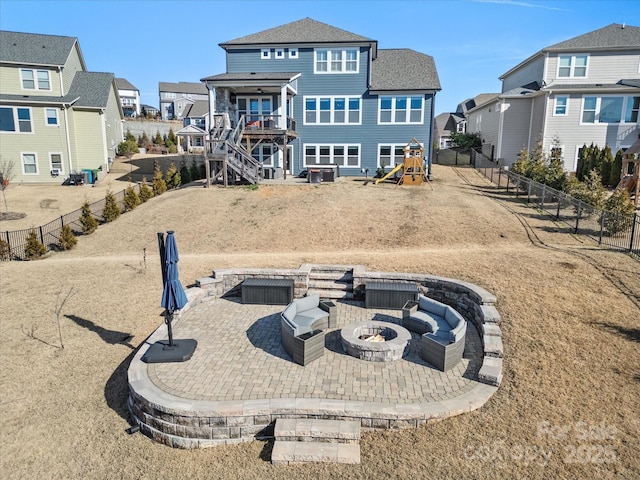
305	440
226	145
331	281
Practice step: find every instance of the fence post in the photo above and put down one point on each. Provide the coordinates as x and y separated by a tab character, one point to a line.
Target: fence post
578	216
559	203
41	235
544	194
61	221
602	214
529	191
633	230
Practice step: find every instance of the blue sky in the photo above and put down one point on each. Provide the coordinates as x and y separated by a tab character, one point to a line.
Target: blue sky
473	41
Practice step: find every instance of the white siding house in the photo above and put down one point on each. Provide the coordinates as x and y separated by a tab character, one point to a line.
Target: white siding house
581	91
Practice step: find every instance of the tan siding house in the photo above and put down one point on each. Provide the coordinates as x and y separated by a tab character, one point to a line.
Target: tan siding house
56	119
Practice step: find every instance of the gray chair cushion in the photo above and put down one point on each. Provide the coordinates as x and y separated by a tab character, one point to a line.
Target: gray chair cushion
307	303
453	317
290	312
431	306
429	320
459	332
442	337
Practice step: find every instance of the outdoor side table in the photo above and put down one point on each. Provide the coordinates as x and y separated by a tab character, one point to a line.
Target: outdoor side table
391	295
268	291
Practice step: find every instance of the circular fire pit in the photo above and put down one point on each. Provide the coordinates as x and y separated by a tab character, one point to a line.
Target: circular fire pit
375	341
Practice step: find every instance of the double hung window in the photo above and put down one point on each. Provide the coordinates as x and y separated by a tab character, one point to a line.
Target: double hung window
332	110
401	110
336	60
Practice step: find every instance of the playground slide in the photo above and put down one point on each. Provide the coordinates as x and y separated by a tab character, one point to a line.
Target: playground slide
627	183
390	174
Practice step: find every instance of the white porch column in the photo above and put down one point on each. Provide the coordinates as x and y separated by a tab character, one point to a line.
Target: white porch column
282	119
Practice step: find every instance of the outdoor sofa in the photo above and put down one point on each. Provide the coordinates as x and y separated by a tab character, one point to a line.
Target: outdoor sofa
301	325
442	328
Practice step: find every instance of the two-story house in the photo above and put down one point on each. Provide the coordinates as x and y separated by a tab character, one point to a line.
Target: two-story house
55	117
581	91
129	97
339	99
176	97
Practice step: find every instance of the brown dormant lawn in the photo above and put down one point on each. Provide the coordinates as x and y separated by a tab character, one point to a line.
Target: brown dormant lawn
567	408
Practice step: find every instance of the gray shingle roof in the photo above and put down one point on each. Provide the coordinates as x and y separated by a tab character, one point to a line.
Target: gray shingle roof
198	109
243	76
35	49
183	87
611	36
92	88
596	86
404	69
124	84
306	30
30	99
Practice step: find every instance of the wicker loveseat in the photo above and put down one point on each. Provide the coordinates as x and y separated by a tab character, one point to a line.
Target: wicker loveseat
301	325
442	328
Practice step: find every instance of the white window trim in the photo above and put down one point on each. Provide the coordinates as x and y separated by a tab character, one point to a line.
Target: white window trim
293	53
408	110
36	86
16	122
51	167
572	67
278	54
393	147
566	106
625	100
331	146
332	110
262	53
35	155
343	61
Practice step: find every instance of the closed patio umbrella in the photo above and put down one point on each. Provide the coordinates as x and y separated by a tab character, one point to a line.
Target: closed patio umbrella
173	299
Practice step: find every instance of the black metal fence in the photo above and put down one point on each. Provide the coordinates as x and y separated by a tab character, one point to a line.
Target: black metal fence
49	234
607	228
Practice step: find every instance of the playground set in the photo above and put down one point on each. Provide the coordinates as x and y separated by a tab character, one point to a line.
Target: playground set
412	170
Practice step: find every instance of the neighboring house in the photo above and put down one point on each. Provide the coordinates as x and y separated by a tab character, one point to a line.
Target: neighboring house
333	95
176	97
445	124
195	122
148	110
55	117
581	91
129	97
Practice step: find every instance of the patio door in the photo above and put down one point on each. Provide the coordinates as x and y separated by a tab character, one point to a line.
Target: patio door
253	108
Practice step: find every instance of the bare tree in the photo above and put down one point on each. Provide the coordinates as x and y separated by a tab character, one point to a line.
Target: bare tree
7	173
60	301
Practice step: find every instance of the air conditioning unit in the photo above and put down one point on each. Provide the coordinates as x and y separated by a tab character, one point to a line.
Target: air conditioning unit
55	172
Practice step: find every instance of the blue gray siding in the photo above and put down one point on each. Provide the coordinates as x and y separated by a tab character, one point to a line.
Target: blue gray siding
368	135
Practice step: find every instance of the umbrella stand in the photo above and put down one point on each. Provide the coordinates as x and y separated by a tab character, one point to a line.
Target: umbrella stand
172	351
173	298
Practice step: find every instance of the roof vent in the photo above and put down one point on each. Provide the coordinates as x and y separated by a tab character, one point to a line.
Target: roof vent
623	24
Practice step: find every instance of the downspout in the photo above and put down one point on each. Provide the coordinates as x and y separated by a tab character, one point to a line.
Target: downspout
500	129
430	161
66	131
105	153
533	104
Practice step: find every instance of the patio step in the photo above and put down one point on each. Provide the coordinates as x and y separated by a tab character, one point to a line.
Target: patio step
333	275
305	440
330	285
316	429
334	294
285	453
